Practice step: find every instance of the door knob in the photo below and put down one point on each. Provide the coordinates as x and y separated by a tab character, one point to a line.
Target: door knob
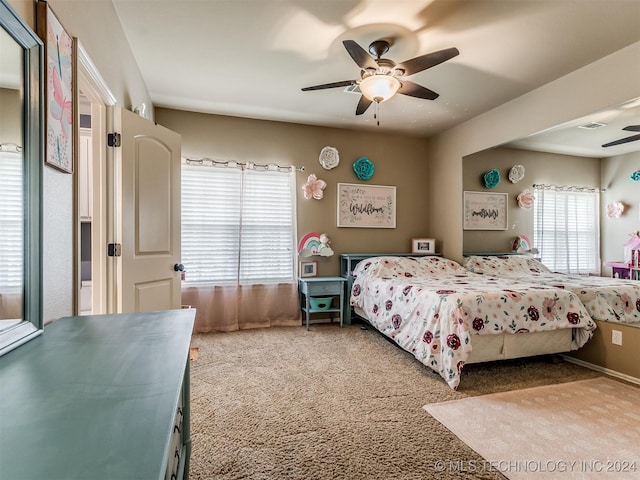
178	267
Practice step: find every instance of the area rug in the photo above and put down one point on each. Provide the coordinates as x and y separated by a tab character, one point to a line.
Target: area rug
576	430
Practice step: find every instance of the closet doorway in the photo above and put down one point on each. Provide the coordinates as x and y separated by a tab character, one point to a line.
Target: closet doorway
90	248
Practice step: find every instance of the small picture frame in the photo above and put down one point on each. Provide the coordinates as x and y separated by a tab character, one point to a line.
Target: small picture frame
308	269
423	245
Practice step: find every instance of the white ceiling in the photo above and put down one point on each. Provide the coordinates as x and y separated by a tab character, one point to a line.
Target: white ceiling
250	58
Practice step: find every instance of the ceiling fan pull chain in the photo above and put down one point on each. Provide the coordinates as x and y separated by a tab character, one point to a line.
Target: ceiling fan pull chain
375	114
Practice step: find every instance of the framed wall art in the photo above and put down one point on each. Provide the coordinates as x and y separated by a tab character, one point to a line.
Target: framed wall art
366	206
308	269
423	245
59	91
485	211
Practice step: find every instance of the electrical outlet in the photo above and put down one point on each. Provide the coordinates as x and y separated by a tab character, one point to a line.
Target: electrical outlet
616	337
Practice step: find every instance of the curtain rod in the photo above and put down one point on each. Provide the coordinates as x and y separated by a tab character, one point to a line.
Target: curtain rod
565	188
10	147
210	162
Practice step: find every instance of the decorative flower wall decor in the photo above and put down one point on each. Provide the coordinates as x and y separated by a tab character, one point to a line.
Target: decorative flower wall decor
363	168
492	178
615	209
635	176
525	199
329	158
313	188
516	173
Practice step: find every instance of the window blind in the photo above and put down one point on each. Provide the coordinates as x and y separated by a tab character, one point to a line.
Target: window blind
567	229
11	221
238	225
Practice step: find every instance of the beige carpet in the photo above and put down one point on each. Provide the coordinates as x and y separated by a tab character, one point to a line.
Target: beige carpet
583	429
332	403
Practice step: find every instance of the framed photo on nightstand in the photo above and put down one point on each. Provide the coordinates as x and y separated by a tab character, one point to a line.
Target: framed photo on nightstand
308	269
423	245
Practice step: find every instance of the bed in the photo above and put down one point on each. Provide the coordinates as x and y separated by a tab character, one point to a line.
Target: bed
447	316
608	299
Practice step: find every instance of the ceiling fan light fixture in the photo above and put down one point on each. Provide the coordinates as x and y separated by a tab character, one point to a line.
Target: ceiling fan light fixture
379	88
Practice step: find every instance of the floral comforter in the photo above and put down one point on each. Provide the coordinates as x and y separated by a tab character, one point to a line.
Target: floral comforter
432	307
609	299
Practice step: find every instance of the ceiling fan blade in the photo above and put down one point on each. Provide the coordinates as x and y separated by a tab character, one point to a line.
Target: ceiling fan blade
363	104
632	138
344	83
632	128
414	90
427	60
360	55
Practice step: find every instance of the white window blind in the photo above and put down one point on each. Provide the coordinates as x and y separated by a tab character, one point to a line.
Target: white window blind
11	221
238	225
567	228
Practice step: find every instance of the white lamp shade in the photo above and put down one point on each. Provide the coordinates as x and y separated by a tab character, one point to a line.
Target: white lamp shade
379	88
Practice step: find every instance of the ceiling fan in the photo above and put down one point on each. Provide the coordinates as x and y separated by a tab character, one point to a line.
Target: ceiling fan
632	138
381	78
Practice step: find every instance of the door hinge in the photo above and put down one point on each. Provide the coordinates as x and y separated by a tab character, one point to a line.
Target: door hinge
113	139
114	250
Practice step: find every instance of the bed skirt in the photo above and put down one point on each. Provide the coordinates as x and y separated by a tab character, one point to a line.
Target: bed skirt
504	346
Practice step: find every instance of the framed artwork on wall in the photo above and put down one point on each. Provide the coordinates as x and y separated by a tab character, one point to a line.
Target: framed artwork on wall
308	269
366	206
485	211
59	94
423	245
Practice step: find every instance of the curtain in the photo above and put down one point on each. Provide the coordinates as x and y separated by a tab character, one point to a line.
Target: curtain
238	245
567	228
226	308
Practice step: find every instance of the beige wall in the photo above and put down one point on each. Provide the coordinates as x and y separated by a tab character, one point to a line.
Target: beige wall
399	161
11	116
602	352
618	187
539	168
612	80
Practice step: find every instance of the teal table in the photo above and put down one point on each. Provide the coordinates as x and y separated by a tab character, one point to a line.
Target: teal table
98	397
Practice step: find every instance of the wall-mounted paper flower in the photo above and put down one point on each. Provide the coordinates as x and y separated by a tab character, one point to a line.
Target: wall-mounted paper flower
615	209
313	188
492	178
329	158
635	176
525	199
516	173
363	168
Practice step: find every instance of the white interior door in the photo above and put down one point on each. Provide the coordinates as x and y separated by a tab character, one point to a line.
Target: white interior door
146	215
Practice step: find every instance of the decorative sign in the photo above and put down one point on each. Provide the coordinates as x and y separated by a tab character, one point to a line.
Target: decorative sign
366	206
485	211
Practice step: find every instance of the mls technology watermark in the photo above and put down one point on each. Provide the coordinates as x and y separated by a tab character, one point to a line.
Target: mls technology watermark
537	466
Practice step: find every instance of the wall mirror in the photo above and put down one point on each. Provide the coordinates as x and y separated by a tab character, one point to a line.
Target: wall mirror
20	181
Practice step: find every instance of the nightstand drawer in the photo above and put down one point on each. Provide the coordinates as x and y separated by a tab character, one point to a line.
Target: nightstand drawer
323	288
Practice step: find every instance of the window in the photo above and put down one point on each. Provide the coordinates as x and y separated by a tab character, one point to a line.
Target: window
11	221
566	228
238	224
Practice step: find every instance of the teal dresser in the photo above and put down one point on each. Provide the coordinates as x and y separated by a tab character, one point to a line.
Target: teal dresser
99	397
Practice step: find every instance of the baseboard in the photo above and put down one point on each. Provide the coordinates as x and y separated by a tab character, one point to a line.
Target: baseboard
598	368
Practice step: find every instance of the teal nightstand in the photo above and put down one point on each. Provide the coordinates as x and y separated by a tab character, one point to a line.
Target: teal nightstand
312	288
